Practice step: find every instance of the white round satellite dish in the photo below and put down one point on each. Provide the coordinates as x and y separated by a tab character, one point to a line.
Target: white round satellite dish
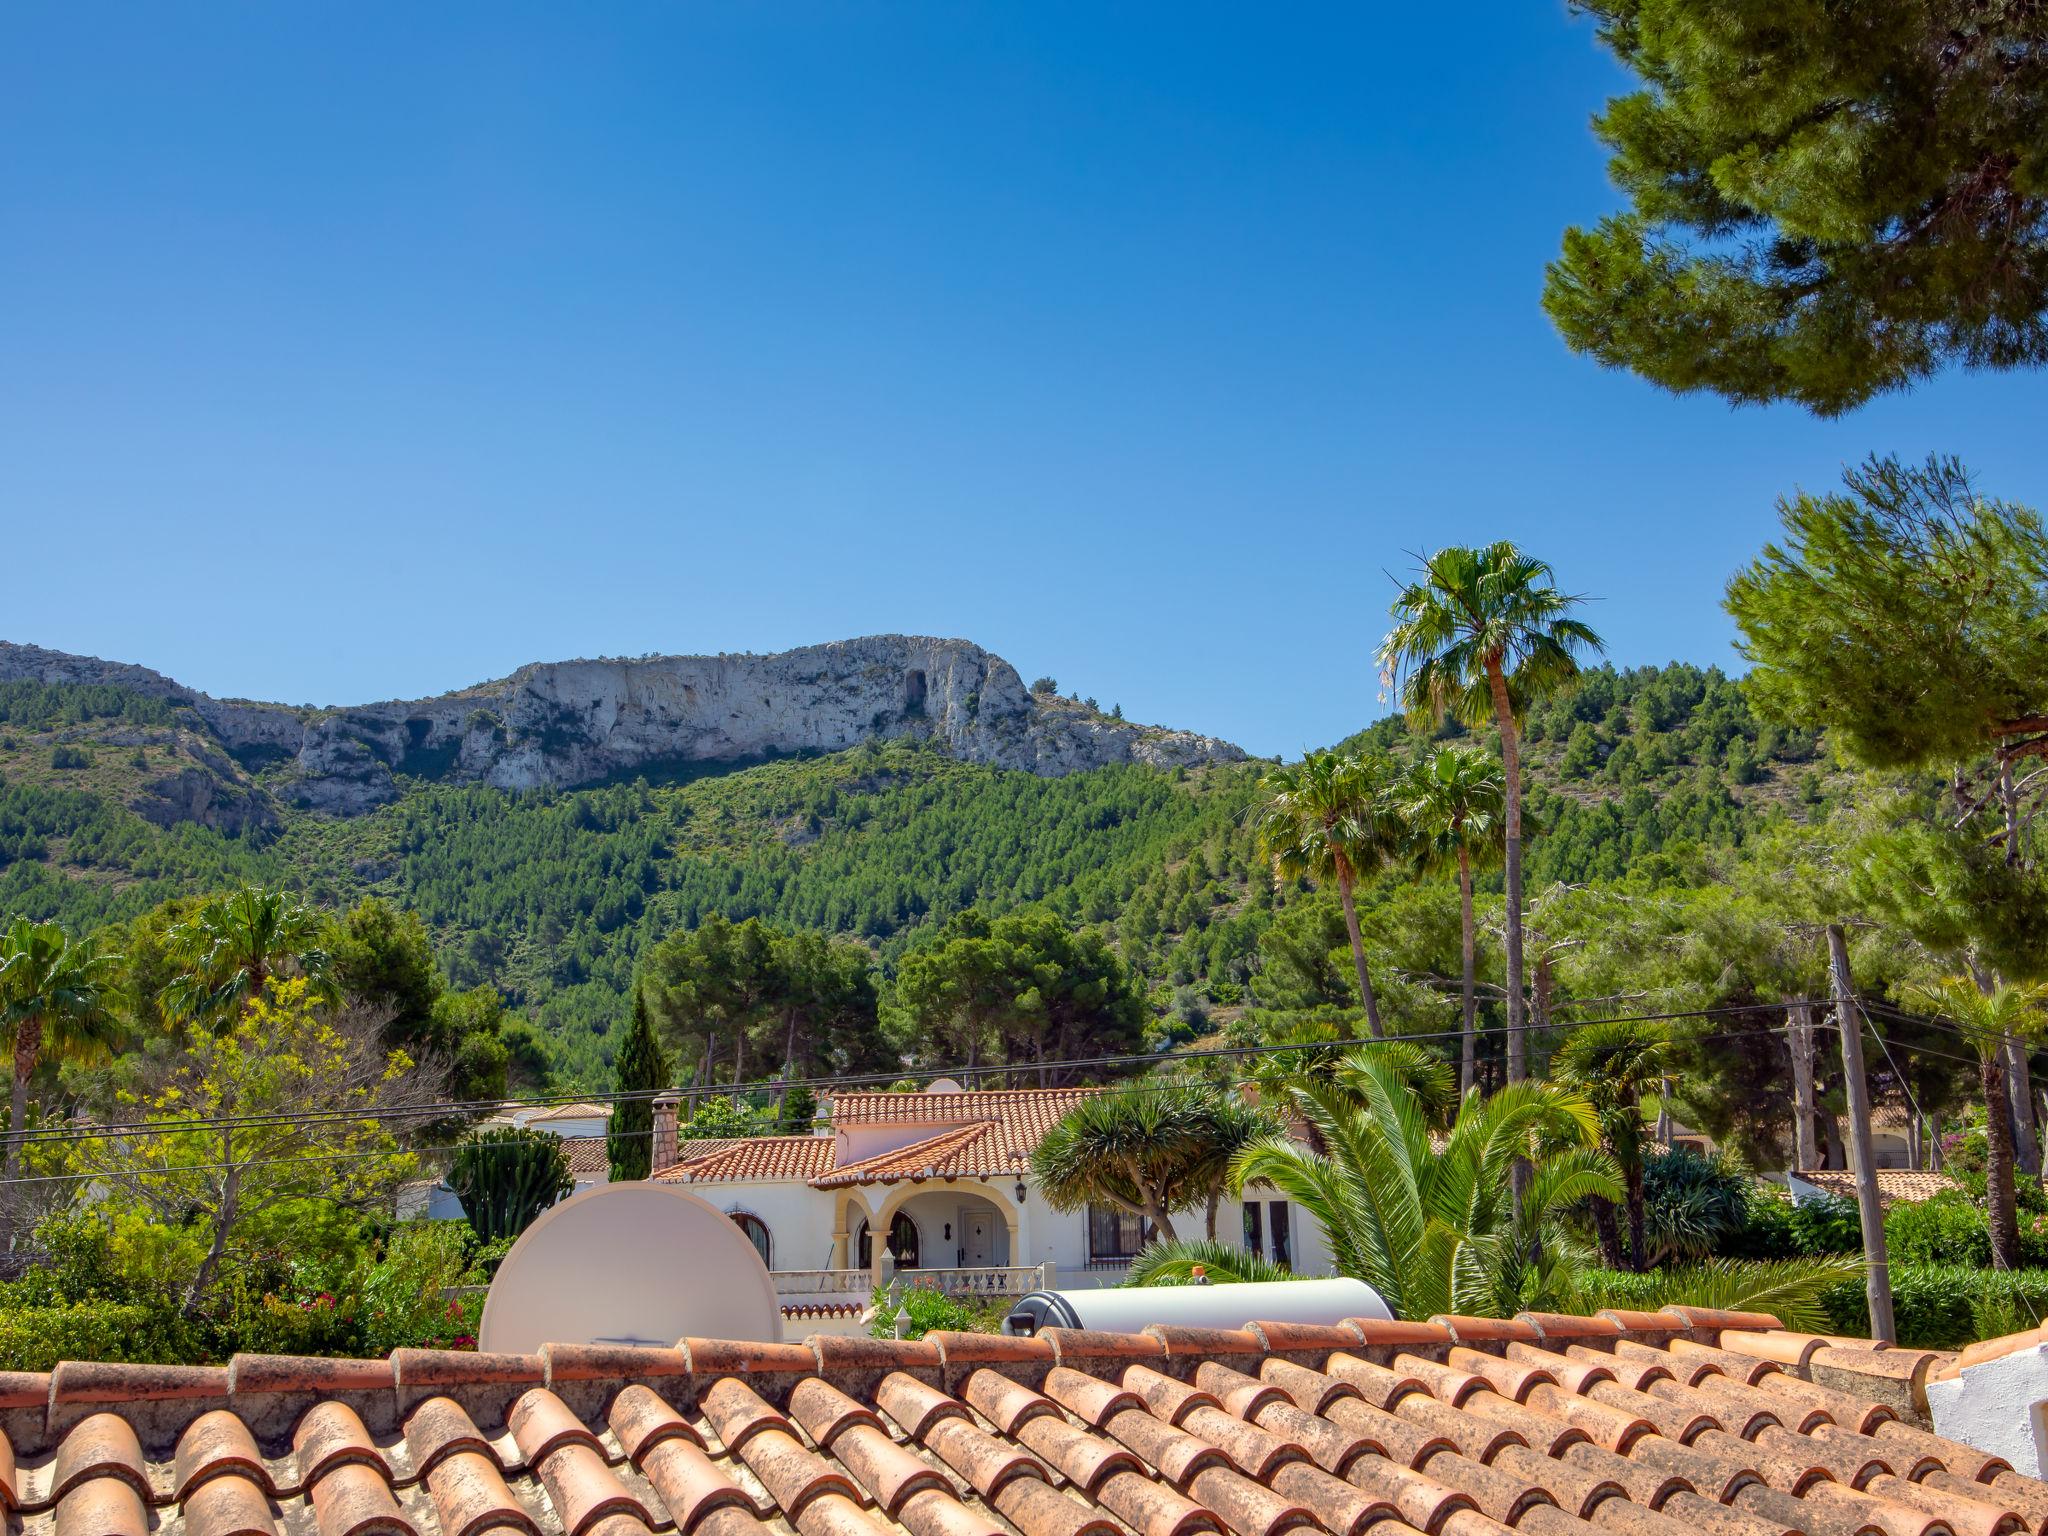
945	1085
634	1263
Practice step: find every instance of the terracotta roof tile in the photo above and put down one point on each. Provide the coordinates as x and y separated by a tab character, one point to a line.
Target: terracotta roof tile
1018	1119
751	1157
1694	1424
964	1151
589	1156
1893	1184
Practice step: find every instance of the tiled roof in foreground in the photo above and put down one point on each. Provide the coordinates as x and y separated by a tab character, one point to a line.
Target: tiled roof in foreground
1679	1423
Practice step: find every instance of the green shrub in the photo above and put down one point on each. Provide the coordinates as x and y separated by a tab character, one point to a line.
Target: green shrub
1694	1205
1828	1224
1949	1229
933	1310
1944	1306
1766	1227
37	1338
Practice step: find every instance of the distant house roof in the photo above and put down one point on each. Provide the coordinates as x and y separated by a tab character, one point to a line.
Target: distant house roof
1911	1185
574	1112
751	1157
588	1155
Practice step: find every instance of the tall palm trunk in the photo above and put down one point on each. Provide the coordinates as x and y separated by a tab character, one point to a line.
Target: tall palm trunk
28	1049
1609	1232
1632	1184
1511	763
1468	1043
1372	1006
2005	1230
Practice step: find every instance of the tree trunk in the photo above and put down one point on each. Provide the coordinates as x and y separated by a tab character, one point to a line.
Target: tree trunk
1215	1199
224	1220
1511	762
2008	797
1162	1224
788	1063
2019	1092
1468	1041
28	1048
1609	1232
1877	1282
1805	1154
1998	1180
1638	1245
1372	1006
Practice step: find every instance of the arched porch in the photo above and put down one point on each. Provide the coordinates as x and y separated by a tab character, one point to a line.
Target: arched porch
966	1230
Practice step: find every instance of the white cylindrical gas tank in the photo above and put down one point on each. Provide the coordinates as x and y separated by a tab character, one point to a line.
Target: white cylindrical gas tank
1131	1309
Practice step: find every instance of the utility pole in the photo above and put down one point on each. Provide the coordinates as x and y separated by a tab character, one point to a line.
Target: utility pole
1878	1278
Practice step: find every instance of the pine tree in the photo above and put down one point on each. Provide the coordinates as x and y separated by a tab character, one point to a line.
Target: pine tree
642	1067
1826	201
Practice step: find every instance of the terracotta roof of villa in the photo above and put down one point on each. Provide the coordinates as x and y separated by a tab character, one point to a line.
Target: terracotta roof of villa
588	1155
1676	1423
964	1152
1893	1184
751	1157
1019	1119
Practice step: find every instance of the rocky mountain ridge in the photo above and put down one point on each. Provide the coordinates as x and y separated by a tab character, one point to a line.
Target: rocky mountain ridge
559	724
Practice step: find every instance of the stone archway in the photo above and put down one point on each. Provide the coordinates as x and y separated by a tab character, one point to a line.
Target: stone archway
850	1213
901	1194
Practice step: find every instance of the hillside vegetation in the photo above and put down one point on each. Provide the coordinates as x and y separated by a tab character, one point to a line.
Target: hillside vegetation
552	896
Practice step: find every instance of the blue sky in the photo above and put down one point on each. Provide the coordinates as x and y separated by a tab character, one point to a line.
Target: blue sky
363	351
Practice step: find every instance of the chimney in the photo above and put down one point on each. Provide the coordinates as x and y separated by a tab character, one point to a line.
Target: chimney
665	1107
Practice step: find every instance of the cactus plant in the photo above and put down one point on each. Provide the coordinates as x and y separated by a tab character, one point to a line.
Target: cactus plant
507	1177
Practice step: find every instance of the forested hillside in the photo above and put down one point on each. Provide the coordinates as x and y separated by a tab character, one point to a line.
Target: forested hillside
552	896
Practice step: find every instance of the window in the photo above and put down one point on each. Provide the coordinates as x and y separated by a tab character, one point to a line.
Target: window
1259	1225
757	1233
1115	1236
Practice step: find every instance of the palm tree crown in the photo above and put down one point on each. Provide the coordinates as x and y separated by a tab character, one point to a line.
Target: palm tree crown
1614	1062
232	947
1477	615
1333	818
1431	1225
54	997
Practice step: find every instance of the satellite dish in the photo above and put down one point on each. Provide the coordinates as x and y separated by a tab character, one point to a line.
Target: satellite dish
633	1263
945	1085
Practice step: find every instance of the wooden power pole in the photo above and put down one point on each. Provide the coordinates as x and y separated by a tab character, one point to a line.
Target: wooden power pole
1878	1277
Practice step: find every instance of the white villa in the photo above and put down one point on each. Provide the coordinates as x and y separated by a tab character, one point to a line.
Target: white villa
935	1188
931	1188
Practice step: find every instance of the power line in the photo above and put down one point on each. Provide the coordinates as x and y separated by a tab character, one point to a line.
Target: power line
442	1109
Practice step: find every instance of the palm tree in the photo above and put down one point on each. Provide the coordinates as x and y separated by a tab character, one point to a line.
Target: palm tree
1146	1147
1481	635
1453	808
233	945
1613	1063
1432	1227
1990	1019
1331	818
54	996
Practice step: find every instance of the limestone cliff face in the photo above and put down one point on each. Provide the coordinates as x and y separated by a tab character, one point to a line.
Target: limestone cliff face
574	722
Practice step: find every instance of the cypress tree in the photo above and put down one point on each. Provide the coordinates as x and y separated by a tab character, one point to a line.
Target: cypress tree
642	1066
